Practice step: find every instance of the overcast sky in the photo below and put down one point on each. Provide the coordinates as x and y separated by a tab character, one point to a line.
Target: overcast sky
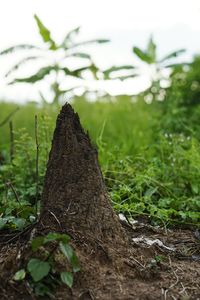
174	24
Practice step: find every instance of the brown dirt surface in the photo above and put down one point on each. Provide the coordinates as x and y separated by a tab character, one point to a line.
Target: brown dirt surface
175	276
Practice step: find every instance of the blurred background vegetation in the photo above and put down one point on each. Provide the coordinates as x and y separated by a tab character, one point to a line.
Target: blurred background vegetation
149	143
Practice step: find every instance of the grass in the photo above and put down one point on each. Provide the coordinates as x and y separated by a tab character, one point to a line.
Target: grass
147	172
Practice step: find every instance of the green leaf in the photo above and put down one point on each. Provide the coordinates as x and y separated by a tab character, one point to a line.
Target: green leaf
21	63
142	55
90	42
79	54
53	236
67	250
70	36
19	47
20	275
45	33
151	50
3	222
19	223
114	69
76	72
67	278
36	77
173	55
177	66
38	269
37	243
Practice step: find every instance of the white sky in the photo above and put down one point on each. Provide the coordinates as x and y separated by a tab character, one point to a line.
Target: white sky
174	23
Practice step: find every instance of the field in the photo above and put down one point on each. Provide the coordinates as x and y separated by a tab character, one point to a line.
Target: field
147	171
152	177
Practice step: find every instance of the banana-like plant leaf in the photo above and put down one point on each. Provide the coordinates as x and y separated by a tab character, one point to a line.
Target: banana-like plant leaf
126	77
142	55
69	37
79	54
173	55
19	47
116	69
45	34
36	77
75	73
90	42
21	63
151	50
177	65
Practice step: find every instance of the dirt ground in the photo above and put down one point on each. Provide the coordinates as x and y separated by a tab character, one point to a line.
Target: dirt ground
160	264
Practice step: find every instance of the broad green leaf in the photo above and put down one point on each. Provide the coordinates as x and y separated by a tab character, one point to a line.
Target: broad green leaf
151	50
19	47
53	236
38	269
142	55
75	73
173	55
37	243
3	222
90	42
45	33
79	54
113	69
67	278
36	77
70	36
177	66
19	223
20	275
21	63
67	250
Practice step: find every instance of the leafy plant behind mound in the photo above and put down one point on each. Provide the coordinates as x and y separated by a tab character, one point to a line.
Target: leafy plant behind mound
20	185
164	187
58	66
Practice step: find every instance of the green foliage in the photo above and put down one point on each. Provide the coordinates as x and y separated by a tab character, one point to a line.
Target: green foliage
148	169
164	187
67	278
18	182
38	269
158	68
43	272
45	33
181	110
69	48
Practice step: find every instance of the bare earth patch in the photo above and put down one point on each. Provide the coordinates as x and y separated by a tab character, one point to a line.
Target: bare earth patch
175	274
